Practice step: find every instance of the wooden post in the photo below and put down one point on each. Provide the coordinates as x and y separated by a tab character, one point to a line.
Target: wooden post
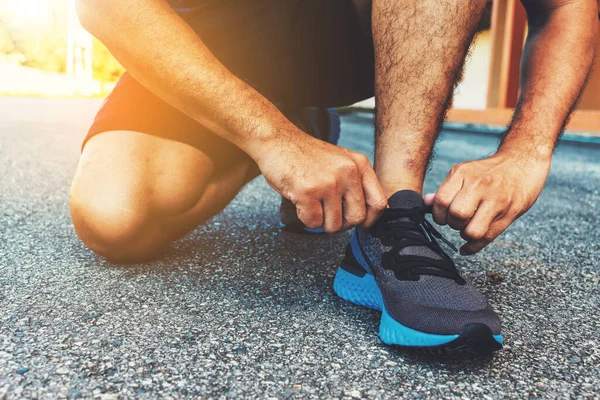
508	34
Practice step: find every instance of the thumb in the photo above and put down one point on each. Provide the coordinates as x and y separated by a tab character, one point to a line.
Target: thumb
429	198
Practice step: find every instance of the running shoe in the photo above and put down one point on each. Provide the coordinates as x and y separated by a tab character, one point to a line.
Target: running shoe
398	267
321	123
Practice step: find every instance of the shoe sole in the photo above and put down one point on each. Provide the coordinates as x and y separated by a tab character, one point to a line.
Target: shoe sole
475	339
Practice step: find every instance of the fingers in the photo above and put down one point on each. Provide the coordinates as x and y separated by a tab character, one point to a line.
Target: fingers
341	199
476	240
310	212
483	197
480	224
354	207
429	198
374	195
333	215
445	195
463	208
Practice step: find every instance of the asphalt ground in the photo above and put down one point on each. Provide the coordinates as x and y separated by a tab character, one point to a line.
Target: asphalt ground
240	309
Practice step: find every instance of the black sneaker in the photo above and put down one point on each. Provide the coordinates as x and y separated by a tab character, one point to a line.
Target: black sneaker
324	124
399	268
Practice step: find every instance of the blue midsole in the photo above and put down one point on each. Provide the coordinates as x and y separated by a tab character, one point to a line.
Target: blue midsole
365	292
309	230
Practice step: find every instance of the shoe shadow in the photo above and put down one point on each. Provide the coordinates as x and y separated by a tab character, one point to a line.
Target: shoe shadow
456	363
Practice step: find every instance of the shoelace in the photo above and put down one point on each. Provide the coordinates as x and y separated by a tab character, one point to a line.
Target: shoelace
399	228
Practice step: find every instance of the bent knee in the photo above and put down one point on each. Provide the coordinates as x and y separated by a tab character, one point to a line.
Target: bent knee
121	232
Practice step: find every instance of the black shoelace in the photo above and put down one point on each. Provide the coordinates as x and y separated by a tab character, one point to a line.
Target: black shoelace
400	228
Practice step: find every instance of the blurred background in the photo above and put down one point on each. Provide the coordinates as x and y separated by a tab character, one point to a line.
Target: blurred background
44	51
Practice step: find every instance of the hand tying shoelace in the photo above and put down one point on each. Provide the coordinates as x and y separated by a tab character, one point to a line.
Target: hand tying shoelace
401	228
399	267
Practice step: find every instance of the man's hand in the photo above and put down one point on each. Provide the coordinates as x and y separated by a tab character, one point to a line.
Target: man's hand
333	188
482	198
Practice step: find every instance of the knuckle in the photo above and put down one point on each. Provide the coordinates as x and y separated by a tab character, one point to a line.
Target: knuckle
379	205
304	193
485	180
442	201
507	214
345	162
330	186
306	190
353	169
459	213
501	206
514	213
489	236
349	167
474	233
458	169
356	218
519	205
363	160
329	180
308	195
327	184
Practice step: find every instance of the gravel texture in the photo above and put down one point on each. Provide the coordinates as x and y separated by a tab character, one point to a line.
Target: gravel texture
240	309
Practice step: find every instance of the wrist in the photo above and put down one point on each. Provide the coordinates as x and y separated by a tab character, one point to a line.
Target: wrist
272	139
525	149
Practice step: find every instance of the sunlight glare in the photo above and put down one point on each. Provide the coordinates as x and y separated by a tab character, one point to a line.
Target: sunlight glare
30	11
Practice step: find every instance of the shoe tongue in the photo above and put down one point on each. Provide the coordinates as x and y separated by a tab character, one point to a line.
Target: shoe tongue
411	199
405	199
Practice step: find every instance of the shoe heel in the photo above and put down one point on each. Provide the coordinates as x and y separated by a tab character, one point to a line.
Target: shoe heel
356	289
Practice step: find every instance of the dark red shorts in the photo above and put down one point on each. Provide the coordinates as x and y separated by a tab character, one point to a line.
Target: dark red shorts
297	53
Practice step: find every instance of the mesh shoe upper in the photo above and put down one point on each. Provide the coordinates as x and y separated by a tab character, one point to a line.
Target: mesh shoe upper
426	302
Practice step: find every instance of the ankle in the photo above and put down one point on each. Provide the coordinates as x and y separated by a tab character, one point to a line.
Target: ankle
391	187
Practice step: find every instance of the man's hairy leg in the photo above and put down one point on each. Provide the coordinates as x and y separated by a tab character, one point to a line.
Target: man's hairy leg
420	47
